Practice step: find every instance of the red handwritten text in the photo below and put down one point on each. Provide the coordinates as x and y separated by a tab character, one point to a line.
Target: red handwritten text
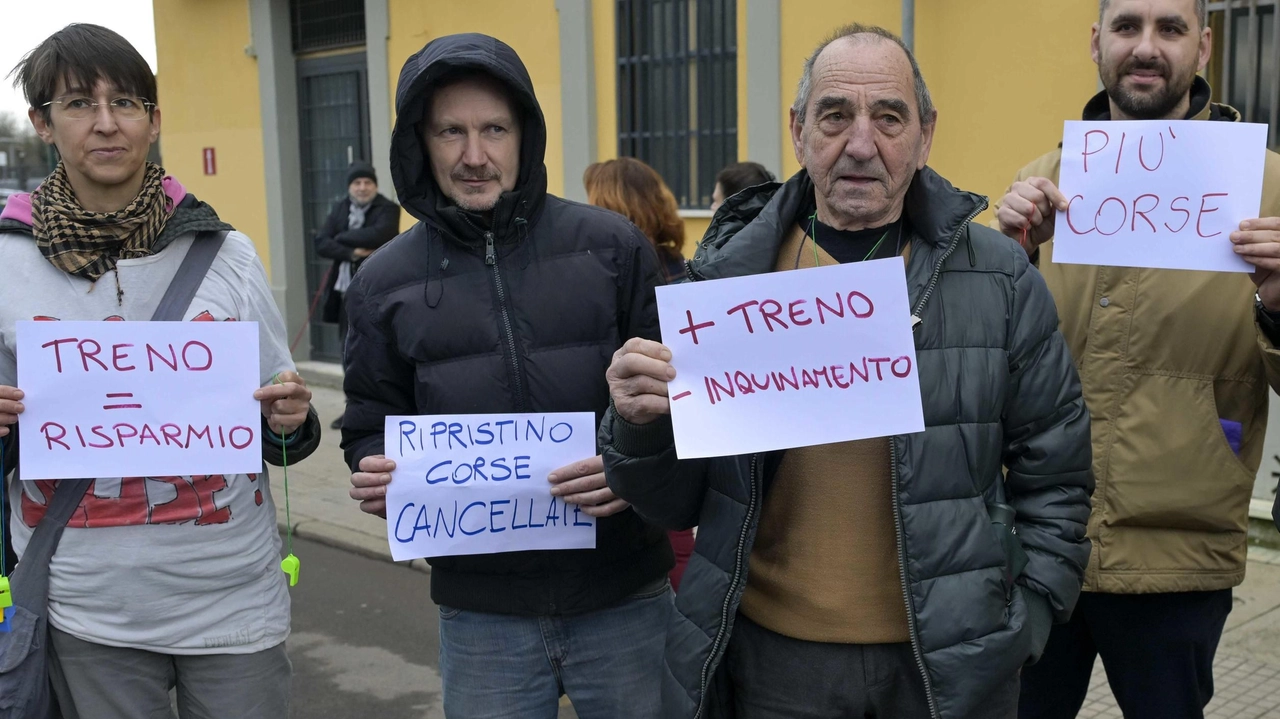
124	434
1147	212
837	376
194	356
797	312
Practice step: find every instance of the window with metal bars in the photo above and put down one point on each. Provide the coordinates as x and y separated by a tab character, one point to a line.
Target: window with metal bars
678	90
326	24
1243	68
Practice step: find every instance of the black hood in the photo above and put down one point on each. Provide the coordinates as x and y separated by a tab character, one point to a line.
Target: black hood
1099	106
411	171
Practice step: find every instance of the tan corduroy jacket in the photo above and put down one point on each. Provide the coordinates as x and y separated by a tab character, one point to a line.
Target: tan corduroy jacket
1164	356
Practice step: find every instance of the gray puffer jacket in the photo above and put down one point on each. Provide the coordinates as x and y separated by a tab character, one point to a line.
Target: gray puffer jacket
999	390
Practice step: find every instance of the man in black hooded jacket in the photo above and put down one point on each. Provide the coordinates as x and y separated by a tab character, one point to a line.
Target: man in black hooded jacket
504	298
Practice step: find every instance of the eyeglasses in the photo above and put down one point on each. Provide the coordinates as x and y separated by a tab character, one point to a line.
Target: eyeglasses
83	108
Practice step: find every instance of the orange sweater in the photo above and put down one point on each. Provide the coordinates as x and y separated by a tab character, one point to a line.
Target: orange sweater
824	566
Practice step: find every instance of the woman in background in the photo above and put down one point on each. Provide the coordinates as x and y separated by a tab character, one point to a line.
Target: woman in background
634	190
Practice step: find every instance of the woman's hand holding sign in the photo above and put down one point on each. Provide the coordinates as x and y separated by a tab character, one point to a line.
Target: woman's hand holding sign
1258	243
10	408
638	380
285	402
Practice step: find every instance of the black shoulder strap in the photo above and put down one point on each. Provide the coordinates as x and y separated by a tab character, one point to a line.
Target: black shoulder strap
182	289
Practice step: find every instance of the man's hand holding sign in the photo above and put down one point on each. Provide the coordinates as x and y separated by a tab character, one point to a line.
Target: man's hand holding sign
580	483
1154	194
1258	243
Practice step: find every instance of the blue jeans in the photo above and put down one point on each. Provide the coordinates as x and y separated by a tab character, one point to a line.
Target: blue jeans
609	662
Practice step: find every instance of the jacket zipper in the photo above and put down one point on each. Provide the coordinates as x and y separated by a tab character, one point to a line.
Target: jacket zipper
491	259
733	587
916	319
902	575
893	476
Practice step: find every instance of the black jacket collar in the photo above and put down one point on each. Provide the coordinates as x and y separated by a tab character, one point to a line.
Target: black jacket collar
748	230
1099	106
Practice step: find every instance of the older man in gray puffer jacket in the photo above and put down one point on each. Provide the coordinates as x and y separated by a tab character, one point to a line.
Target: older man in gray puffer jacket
908	576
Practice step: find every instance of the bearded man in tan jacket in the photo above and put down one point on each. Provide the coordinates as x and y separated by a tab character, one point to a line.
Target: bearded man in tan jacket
1175	367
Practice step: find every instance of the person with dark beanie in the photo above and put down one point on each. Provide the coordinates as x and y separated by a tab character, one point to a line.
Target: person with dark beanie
359	223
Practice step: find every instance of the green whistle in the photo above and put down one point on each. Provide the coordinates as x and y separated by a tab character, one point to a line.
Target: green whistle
290	566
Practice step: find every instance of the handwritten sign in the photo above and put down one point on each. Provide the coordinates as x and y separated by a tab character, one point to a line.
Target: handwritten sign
1163	194
477	484
138	399
791	359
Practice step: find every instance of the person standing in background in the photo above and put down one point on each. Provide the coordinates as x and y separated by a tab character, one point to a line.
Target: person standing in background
357	225
737	177
636	191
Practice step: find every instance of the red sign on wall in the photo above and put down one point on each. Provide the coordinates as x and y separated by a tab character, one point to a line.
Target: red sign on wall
210	161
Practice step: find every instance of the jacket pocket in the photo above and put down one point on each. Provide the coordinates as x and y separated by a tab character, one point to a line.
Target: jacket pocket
1169	465
23	657
1015	557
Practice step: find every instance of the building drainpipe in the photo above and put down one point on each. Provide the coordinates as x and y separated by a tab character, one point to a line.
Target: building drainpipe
909	24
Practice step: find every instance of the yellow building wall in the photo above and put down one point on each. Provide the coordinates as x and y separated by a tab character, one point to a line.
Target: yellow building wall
1002	92
805	23
208	91
605	43
1004	78
530	27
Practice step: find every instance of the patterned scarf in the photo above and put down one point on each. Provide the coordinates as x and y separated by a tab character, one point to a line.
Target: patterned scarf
88	244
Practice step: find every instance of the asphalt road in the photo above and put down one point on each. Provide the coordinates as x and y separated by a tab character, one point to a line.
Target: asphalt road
365	642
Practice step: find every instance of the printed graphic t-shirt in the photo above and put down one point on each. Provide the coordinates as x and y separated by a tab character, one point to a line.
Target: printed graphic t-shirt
178	565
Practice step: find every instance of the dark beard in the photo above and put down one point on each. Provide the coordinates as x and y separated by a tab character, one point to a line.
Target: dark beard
1145	106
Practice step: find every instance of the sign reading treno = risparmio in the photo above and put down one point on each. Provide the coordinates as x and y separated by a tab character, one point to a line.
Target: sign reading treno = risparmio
138	399
791	359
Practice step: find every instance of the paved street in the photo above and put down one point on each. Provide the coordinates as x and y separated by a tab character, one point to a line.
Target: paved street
364	639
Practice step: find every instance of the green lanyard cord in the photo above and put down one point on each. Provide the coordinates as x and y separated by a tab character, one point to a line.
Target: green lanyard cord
288	515
4	512
288	565
813	235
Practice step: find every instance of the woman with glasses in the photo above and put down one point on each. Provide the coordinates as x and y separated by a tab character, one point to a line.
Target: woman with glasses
158	583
